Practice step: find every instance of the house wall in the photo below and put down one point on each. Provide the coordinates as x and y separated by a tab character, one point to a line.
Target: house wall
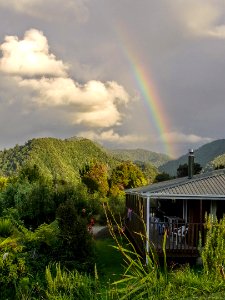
136	220
220	209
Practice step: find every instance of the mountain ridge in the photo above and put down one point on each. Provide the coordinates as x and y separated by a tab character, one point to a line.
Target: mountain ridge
62	158
204	155
140	155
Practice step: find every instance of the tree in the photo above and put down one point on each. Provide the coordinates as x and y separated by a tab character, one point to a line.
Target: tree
221	166
3	183
127	175
182	170
95	177
148	170
162	177
76	241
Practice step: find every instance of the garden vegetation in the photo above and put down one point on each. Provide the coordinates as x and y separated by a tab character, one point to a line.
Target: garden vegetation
47	252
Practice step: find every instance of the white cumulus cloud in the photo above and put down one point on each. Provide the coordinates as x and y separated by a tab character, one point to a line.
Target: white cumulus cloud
30	56
94	103
111	136
202	17
46	81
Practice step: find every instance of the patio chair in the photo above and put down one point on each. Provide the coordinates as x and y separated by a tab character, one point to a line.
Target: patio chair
180	233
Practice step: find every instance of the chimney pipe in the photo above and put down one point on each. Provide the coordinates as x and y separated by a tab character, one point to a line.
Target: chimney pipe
191	163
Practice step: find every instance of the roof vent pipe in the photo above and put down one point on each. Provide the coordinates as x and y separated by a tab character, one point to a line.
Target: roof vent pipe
191	158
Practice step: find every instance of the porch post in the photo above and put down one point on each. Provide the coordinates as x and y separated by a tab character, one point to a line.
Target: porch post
213	208
185	210
201	217
147	227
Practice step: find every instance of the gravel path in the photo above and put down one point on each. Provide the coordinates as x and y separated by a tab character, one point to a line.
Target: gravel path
97	228
100	231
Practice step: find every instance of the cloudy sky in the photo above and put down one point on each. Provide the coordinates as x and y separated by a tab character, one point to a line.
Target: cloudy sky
128	74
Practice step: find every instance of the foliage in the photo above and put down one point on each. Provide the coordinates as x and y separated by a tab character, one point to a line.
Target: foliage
57	159
218	162
219	167
69	285
48	234
3	183
127	175
6	227
36	196
148	170
34	202
116	204
162	177
11	270
203	155
182	170
141	155
141	281
213	253
76	241
95	177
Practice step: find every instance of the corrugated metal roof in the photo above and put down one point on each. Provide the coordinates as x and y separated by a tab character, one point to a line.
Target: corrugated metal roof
212	184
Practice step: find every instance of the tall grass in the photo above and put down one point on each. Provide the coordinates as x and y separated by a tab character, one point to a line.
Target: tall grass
6	227
139	278
150	281
70	285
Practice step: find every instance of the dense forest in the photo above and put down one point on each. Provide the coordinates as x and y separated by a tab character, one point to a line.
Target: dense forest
59	158
141	155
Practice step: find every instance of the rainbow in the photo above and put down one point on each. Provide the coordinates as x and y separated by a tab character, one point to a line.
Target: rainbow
149	92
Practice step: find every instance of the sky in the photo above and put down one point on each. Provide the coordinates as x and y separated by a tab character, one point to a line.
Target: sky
128	74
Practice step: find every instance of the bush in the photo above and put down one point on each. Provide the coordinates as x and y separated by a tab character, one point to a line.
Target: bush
48	234
6	227
213	253
69	285
76	241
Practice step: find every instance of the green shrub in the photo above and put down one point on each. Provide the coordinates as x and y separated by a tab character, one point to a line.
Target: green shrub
213	253
76	242
69	285
6	227
48	234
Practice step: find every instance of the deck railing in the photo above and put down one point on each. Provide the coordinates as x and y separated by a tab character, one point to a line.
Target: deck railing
180	237
186	236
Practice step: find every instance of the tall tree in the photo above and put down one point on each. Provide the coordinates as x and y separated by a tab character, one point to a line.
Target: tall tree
127	175
77	243
162	177
95	177
182	170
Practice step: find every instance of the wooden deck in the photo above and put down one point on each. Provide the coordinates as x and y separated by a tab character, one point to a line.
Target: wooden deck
181	240
177	245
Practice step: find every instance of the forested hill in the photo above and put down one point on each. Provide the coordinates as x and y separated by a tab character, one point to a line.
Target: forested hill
141	155
208	156
217	162
55	157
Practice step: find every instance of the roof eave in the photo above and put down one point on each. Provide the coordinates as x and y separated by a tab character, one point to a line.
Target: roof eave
180	196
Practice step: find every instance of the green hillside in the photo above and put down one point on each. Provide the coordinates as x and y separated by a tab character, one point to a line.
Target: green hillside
205	156
55	157
141	155
218	162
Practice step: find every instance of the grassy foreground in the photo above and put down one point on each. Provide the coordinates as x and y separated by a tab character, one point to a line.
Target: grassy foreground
152	281
109	261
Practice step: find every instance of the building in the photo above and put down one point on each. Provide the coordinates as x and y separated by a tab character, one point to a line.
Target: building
177	207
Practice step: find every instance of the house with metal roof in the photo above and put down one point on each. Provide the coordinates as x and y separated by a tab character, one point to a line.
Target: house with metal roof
177	207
